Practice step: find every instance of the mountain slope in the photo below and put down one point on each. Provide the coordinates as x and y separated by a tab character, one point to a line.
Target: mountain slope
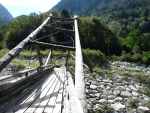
5	16
98	7
121	16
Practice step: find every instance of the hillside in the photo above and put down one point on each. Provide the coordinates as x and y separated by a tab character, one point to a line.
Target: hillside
5	16
121	16
98	7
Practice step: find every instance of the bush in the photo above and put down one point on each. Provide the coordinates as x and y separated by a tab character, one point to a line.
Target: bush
94	58
95	35
146	58
3	52
137	57
125	57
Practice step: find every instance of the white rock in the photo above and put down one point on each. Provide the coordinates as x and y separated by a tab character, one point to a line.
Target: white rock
133	88
143	109
93	86
135	94
102	100
126	94
118	99
117	106
97	94
110	101
111	97
116	92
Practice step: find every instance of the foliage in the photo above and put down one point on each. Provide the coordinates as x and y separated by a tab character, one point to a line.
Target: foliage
22	64
146	58
20	28
96	36
144	41
132	39
3	52
93	34
93	58
143	58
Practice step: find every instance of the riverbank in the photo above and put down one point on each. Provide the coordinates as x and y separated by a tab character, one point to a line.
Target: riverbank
119	89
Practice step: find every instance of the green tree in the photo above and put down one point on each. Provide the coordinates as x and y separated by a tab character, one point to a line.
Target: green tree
145	42
94	35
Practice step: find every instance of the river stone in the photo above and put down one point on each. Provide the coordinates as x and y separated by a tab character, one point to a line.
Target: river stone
93	86
133	88
121	88
125	94
111	97
110	101
142	109
97	94
118	99
102	101
116	92
117	106
135	94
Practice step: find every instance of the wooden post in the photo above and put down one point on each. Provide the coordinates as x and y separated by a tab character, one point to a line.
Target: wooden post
39	55
67	59
15	51
48	58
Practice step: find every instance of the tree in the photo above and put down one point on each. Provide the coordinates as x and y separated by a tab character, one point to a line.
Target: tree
145	42
65	13
94	35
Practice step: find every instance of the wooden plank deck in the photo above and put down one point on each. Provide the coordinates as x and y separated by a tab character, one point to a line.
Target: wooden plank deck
47	98
46	95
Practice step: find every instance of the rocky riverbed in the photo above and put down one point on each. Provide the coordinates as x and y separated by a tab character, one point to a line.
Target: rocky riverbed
112	92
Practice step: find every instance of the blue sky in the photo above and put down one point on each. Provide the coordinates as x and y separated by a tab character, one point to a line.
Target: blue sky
19	7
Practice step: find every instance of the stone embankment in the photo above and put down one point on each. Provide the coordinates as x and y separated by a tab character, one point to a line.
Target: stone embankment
116	93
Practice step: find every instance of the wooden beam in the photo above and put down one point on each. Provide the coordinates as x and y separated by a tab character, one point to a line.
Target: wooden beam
48	58
16	50
62	19
53	45
63	29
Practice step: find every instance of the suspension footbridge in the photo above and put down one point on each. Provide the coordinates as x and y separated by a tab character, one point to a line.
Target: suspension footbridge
48	88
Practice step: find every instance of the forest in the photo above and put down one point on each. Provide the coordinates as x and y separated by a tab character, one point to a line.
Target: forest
126	44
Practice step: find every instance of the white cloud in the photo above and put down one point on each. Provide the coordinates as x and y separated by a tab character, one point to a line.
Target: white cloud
18	7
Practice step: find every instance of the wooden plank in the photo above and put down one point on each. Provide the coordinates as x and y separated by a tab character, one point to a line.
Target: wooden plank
47	98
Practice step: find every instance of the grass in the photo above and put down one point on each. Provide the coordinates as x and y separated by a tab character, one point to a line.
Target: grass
29	53
3	52
94	58
22	64
141	58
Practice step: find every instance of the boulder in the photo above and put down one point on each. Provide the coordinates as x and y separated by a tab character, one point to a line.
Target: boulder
118	106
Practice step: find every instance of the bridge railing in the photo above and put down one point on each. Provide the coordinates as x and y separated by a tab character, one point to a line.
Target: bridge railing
79	75
16	50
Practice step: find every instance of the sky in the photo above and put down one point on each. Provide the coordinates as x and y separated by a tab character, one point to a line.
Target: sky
20	7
